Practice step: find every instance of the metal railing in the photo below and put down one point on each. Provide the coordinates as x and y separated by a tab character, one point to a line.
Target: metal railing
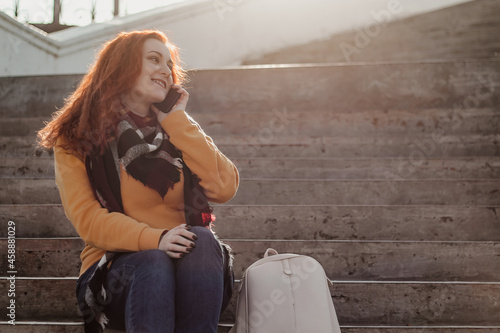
62	12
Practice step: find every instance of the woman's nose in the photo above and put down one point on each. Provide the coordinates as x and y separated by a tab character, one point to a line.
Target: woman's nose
165	69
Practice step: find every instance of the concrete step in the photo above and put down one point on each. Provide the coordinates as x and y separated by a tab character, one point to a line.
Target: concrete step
370	168
420	329
29	166
28	126
417	149
21	146
64	327
378	192
306	192
223	328
365	192
42	327
352	123
413	148
312	168
357	303
314	222
342	260
338	87
324	123
76	327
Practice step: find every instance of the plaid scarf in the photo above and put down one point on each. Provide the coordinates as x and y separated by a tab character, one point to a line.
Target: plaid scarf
145	151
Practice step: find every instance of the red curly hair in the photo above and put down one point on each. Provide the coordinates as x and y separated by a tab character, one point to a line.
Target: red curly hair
89	115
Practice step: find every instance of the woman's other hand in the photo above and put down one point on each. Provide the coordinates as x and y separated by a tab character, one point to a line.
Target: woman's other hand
178	242
180	105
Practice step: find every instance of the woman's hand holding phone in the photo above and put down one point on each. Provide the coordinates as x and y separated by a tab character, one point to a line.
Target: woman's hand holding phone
177	97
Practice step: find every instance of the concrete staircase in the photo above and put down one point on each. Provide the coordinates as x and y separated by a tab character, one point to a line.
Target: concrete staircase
387	173
464	31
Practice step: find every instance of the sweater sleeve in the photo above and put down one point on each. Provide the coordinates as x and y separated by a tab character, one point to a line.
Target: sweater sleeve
218	175
96	225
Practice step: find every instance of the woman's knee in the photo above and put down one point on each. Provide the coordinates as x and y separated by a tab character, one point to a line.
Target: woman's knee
148	264
149	257
207	255
156	261
205	237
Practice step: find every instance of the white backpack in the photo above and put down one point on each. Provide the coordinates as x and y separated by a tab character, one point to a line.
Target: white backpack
285	293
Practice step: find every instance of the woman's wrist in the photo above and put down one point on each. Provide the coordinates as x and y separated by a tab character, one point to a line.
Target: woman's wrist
161	237
178	107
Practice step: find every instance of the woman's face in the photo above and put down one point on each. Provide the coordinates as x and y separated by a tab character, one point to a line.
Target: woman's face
155	78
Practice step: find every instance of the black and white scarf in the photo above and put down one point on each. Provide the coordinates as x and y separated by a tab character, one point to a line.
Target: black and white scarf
145	151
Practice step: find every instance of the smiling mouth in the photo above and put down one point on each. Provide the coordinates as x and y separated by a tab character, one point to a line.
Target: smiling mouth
161	83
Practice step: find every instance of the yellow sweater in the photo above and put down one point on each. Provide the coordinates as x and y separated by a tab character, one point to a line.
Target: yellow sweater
147	215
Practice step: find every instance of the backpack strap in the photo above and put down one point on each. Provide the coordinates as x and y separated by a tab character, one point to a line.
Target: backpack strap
270	250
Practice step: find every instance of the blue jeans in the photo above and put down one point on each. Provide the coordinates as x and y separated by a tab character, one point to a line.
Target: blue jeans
150	292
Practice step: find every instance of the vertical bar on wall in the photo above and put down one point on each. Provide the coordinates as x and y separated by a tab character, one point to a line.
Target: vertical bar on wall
57	11
116	11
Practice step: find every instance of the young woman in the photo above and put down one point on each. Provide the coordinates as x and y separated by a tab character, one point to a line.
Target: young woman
135	182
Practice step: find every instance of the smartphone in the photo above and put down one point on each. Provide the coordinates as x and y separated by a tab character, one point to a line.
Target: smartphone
169	101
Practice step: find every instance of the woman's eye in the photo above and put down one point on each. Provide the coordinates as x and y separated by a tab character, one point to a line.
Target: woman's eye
156	60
